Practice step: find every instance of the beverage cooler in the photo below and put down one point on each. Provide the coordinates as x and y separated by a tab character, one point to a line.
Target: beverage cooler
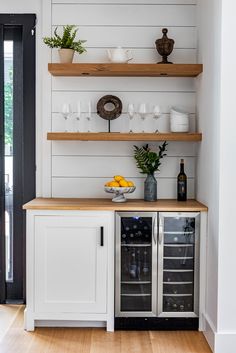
157	270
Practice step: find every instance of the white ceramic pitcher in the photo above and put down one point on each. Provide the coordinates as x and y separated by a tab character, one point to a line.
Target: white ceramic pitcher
119	55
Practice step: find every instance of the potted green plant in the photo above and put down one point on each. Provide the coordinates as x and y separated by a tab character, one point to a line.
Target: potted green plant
149	162
66	43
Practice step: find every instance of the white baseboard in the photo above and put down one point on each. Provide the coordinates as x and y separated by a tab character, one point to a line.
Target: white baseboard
69	323
219	342
209	332
225	342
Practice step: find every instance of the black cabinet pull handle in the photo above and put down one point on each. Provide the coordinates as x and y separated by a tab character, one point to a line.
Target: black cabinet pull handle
102	236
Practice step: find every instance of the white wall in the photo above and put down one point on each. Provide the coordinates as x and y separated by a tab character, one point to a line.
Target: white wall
23	6
226	338
209	33
79	169
216	167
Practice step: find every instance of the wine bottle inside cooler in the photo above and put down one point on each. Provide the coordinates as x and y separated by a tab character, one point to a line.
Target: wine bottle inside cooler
139	264
182	183
133	265
145	263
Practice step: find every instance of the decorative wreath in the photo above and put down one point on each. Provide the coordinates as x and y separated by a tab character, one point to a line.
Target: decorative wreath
109	114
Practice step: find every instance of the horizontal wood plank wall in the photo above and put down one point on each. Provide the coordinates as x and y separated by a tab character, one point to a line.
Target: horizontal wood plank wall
79	169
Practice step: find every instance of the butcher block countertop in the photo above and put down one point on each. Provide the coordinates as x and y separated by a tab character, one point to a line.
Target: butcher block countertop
107	205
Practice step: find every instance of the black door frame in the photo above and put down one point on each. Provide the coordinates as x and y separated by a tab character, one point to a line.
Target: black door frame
24	146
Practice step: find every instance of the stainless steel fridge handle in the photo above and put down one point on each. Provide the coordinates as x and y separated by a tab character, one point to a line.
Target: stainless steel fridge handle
155	230
160	240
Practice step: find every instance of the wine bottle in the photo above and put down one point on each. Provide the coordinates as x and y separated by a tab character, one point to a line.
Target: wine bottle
139	264
145	263
133	265
182	183
123	238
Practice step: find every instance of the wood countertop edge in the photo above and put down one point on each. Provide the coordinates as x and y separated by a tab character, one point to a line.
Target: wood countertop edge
69	204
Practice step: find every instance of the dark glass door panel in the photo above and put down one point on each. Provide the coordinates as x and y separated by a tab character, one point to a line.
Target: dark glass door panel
136	263
179	239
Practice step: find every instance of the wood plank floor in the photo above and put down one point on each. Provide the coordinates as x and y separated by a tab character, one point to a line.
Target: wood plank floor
86	340
7	316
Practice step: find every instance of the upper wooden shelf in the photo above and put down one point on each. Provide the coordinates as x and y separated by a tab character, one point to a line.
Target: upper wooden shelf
108	69
117	136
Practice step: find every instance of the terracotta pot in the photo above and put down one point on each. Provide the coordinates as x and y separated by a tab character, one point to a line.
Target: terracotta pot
66	55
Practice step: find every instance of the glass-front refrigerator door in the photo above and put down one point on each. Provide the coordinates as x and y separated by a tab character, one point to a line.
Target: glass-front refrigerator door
136	264
178	256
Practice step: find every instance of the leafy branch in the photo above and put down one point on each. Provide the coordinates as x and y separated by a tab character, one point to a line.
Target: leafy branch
67	40
148	161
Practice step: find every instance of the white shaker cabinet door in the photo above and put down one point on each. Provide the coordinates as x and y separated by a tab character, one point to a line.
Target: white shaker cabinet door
70	264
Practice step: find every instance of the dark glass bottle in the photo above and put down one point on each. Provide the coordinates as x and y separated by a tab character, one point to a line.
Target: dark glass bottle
182	183
133	265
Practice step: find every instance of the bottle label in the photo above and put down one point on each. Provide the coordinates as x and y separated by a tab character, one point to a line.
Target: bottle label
181	187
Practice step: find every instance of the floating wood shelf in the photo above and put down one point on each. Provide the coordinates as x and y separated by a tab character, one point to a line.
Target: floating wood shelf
145	70
117	136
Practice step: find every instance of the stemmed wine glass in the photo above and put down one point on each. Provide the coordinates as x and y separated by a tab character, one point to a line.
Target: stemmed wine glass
156	115
89	116
66	110
131	115
78	117
142	112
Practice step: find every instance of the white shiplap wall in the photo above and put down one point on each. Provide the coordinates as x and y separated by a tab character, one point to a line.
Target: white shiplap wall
79	169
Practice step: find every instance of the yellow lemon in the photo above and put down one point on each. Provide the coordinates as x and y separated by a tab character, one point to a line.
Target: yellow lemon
118	177
123	183
130	183
108	183
114	184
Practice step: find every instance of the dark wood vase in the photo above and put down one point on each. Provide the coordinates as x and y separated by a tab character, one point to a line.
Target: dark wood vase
165	47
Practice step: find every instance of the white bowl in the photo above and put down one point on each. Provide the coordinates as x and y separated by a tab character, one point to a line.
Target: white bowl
179	121
119	192
179	127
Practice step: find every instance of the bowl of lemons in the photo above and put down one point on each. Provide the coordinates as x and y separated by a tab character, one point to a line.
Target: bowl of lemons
119	186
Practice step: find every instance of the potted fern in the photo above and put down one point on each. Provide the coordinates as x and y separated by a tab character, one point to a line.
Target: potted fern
149	162
66	43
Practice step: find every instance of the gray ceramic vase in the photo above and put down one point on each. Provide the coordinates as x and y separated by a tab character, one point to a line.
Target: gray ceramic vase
150	188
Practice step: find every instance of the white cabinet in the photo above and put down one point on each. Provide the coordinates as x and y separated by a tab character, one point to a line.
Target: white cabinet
69	267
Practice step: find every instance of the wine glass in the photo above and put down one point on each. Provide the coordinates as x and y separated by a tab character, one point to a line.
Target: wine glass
142	113
78	117
156	115
89	116
66	110
131	115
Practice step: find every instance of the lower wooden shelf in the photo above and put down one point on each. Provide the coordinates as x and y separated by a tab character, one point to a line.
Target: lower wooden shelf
117	136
